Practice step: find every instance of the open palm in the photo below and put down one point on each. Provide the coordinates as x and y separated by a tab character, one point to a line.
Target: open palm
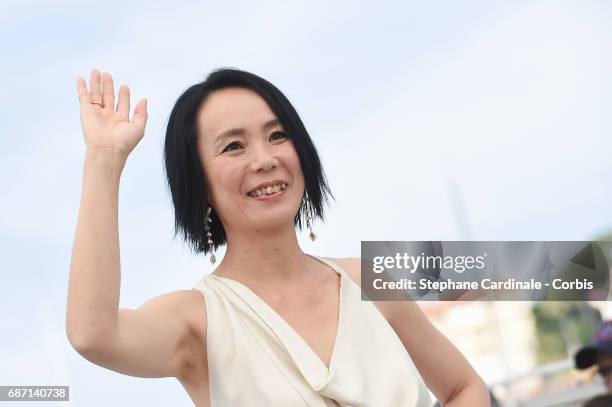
105	126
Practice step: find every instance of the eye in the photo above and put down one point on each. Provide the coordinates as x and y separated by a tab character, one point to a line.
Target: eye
233	143
278	135
282	135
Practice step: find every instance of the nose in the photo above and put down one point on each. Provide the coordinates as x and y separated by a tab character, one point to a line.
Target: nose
263	159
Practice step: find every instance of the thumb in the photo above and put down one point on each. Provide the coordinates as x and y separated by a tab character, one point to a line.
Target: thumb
140	113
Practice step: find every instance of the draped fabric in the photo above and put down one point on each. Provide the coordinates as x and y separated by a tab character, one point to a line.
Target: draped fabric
255	358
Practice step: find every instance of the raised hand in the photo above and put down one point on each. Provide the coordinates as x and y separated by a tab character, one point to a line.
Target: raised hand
105	126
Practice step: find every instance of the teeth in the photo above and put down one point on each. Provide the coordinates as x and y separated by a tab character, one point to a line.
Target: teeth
267	190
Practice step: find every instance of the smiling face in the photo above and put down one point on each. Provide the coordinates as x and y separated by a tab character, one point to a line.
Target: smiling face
242	145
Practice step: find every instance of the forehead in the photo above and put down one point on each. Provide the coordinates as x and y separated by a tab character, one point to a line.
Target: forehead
232	107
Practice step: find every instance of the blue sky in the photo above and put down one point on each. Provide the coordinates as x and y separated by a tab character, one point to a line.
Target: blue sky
484	120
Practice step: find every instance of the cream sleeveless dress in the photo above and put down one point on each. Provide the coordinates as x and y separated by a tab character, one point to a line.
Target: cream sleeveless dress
255	358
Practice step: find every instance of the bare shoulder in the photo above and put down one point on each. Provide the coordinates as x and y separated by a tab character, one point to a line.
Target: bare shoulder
190	307
185	304
172	300
351	266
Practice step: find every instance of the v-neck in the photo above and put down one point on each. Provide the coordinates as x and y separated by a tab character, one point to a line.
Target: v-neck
311	364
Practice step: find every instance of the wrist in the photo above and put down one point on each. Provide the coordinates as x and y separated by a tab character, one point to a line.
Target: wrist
106	156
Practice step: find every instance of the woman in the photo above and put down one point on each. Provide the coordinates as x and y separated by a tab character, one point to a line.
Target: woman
272	325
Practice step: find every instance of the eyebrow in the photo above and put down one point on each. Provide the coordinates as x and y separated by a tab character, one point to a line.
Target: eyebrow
240	131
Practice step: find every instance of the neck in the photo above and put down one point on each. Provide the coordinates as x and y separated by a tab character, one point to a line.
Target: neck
265	255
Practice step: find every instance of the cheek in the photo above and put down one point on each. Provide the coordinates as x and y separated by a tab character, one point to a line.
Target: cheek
293	162
224	180
229	181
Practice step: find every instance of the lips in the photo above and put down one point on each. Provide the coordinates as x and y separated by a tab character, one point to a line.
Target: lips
267	184
269	196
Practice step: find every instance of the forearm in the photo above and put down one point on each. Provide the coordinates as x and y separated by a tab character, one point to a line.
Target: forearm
93	292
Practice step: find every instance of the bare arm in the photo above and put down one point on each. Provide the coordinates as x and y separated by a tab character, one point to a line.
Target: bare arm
93	291
444	369
150	341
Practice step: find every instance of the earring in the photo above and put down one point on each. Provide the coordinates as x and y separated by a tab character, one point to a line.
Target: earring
309	215
207	222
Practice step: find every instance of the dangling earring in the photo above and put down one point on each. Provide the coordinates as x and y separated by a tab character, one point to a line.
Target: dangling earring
309	215
207	222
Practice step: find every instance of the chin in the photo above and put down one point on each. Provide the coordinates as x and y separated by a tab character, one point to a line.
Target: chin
273	217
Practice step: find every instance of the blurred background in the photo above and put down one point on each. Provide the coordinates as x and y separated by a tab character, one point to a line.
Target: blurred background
443	120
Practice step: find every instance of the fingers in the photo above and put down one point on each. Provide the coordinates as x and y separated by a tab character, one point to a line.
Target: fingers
102	93
140	113
108	91
95	92
123	105
82	91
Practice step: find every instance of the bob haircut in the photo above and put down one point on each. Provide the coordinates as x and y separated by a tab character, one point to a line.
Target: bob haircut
183	166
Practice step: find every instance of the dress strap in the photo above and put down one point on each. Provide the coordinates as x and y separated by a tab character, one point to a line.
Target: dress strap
328	262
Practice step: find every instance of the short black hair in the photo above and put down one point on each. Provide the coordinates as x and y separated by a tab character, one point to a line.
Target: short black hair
183	166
